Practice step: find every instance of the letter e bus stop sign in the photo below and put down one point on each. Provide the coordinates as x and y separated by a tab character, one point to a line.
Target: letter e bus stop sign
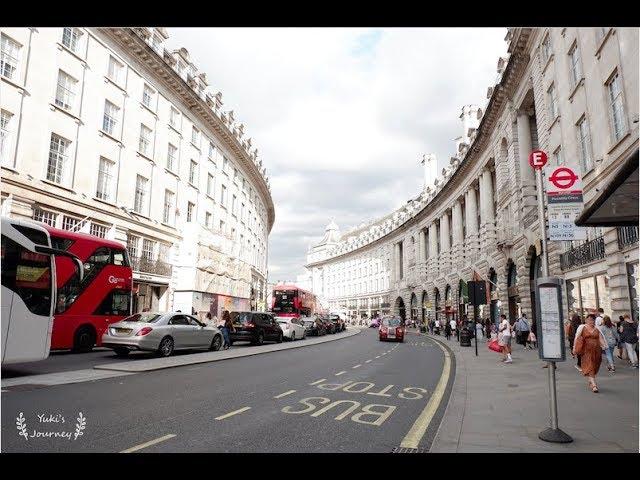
538	159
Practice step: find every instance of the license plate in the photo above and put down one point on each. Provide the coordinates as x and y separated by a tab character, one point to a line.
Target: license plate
122	332
391	334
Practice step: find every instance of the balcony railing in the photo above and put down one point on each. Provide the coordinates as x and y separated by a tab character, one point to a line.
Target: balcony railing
627	236
583	254
157	267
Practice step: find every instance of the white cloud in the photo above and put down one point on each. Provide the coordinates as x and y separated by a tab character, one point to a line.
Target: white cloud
341	117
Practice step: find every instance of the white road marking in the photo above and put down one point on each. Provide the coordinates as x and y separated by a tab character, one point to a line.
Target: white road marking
356	366
235	412
412	439
340	373
318	381
367	361
148	444
378	356
285	394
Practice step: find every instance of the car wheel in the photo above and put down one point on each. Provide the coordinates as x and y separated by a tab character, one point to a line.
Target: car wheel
260	339
84	339
280	337
166	347
216	343
293	336
121	352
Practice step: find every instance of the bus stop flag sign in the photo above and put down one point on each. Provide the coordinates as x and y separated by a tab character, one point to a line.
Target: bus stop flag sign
564	204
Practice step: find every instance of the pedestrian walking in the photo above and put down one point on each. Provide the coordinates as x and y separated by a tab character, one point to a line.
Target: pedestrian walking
227	329
611	336
487	327
452	325
208	319
589	344
447	331
629	336
504	339
576	321
479	330
532	340
522	327
600	317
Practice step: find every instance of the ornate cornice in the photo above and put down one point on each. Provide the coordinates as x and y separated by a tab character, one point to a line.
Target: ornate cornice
207	109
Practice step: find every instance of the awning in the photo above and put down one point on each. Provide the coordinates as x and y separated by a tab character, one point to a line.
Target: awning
616	205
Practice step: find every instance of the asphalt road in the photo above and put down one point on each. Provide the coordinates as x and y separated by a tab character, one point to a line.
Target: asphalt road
351	395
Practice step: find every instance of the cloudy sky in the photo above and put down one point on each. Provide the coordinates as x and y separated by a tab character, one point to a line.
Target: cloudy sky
342	117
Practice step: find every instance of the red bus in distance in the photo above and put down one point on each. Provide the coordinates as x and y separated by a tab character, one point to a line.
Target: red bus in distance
292	301
84	309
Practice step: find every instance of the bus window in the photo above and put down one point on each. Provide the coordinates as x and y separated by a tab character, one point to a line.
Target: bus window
27	274
119	258
116	303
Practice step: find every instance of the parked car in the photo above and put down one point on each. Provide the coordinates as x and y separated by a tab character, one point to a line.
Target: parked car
255	327
338	324
391	328
160	332
292	328
314	327
329	326
375	323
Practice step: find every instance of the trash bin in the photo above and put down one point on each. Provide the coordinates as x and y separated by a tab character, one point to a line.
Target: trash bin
465	337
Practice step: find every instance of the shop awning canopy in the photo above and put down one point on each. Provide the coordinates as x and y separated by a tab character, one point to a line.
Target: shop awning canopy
616	205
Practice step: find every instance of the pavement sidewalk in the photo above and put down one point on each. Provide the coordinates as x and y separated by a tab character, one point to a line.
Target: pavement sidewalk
496	407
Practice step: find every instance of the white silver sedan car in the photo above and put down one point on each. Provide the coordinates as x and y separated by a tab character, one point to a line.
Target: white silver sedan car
292	327
162	333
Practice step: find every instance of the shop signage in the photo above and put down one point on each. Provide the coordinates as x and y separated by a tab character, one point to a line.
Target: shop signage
564	204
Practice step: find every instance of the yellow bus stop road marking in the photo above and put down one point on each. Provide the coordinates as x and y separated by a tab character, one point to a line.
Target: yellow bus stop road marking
285	394
148	444
412	439
231	414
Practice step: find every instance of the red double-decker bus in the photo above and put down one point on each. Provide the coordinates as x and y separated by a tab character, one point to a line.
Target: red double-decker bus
85	308
292	301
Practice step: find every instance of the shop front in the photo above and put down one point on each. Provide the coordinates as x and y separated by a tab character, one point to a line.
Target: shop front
586	294
201	303
149	293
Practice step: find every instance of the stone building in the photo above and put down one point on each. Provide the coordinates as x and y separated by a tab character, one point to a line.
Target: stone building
572	92
106	131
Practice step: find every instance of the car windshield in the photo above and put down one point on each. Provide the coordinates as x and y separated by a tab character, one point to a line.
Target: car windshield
240	317
143	318
391	322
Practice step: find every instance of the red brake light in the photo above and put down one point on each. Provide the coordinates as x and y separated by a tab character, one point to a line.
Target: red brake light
144	331
249	325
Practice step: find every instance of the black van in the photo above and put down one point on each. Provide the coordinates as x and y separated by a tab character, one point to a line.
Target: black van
255	327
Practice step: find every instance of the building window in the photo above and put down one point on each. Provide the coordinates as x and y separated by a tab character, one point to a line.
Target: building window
66	90
99	230
242	213
225	165
148	247
223	196
546	49
222	226
140	200
235	176
70	38
105	180
172	157
114	70
110	118
45	216
574	64
168	213
174	118
195	136
584	145
616	107
144	146
212	152
210	185
557	157
58	159
70	223
5	136
233	205
147	96
133	243
208	219
190	208
193	172
9	57
553	102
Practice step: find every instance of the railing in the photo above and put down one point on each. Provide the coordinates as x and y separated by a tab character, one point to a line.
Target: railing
627	236
583	254
158	267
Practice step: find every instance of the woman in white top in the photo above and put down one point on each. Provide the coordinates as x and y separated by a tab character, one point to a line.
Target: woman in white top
504	338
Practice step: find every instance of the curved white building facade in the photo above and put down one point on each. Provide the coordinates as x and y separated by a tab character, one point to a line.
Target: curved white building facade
106	131
571	92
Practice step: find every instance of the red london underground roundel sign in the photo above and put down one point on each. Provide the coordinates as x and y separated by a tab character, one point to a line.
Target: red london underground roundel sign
563	178
538	159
